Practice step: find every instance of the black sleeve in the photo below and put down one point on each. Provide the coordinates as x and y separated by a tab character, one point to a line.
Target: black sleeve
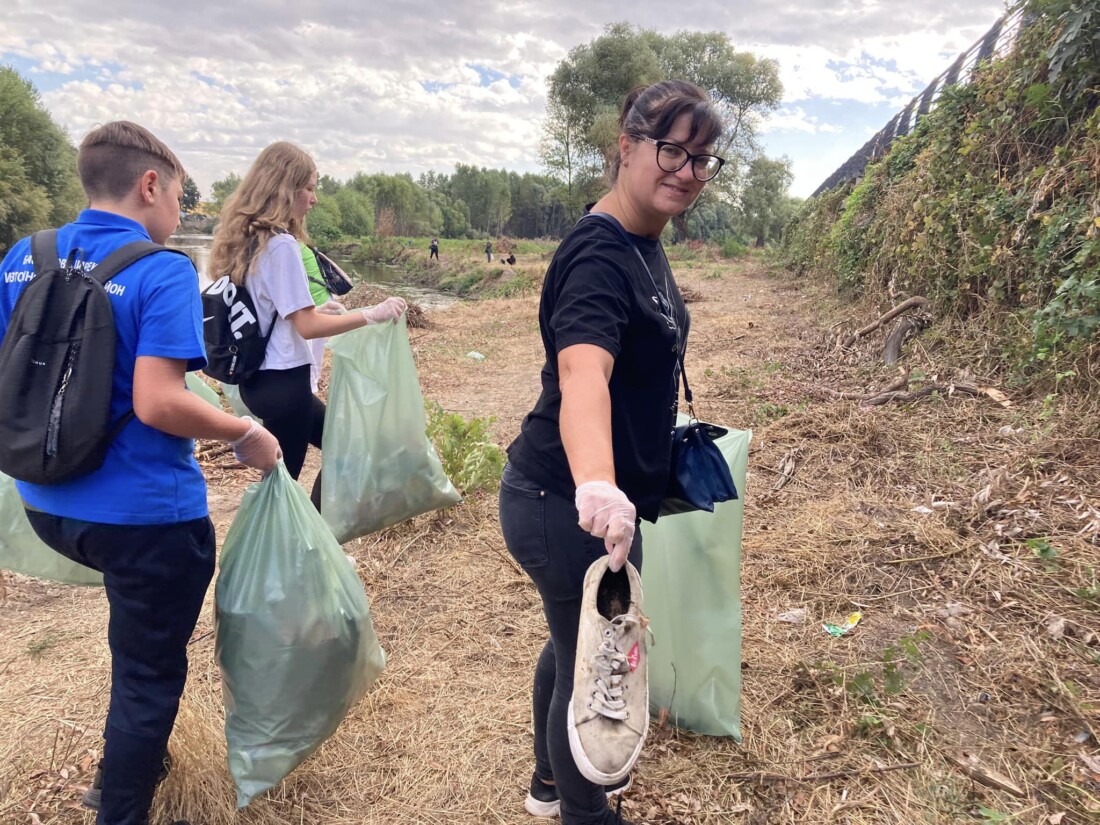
593	301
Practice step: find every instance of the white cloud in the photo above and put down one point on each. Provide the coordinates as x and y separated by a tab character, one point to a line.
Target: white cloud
218	81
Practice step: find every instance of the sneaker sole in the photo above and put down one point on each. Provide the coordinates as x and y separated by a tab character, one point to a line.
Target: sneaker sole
552	810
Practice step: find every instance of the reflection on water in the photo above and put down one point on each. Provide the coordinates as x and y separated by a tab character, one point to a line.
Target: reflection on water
388	278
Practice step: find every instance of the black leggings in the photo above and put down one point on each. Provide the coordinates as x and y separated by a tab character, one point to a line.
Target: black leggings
285	402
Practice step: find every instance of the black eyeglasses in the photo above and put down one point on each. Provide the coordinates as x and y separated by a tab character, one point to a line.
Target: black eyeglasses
672	157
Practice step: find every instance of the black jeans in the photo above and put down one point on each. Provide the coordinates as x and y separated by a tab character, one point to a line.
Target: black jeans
542	534
293	414
156	577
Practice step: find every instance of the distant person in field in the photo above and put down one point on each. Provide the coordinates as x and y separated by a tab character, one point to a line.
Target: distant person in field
433	249
511	259
256	244
594	454
489	252
141	518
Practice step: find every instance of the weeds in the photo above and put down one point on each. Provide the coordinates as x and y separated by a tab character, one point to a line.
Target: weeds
470	458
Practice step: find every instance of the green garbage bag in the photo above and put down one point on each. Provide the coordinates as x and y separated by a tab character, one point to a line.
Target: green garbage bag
232	394
294	641
202	389
691	575
378	465
21	551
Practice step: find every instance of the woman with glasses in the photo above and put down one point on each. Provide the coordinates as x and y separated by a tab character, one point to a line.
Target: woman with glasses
593	455
256	244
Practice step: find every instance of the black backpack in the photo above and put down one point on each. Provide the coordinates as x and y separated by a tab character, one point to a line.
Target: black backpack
335	280
235	348
57	366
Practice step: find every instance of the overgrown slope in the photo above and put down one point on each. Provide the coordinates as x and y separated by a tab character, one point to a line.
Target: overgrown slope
990	209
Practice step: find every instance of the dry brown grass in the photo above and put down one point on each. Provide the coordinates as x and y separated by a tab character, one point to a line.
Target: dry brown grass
1003	632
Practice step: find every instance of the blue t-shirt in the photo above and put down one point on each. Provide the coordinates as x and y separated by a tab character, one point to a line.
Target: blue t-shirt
148	477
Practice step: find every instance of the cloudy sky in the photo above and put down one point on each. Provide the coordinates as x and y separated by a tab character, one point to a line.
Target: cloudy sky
413	85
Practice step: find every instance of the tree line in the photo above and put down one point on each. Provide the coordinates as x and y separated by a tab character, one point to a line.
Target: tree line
747	203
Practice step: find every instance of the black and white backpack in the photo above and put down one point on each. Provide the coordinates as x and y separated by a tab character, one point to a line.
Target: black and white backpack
235	347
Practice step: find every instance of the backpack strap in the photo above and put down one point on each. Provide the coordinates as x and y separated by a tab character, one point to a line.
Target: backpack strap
44	250
122	257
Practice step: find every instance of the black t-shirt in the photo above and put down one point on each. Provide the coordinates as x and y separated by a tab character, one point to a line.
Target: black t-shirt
597	292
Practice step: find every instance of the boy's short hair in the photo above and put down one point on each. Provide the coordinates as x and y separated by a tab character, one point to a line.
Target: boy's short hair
113	156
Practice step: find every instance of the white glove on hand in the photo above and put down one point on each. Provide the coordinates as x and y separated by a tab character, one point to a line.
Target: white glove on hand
389	310
257	448
607	513
331	307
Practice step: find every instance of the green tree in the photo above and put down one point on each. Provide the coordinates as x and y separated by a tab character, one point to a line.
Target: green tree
588	87
223	188
191	194
323	221
328	185
765	202
39	186
356	212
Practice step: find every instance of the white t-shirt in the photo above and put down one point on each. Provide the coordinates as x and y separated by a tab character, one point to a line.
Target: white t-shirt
277	284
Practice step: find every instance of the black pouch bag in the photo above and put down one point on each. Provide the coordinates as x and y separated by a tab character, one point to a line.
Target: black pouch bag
335	280
699	476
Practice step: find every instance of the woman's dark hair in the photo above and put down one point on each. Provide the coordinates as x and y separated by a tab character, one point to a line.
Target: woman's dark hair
652	110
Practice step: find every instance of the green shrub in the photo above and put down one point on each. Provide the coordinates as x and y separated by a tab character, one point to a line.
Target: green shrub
470	458
733	248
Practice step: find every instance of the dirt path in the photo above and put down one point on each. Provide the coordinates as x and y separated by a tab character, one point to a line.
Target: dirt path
954	655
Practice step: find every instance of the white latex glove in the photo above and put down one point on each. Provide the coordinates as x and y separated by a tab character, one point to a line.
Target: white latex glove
257	448
607	513
389	310
331	307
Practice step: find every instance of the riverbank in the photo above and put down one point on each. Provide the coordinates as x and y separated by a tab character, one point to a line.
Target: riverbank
462	268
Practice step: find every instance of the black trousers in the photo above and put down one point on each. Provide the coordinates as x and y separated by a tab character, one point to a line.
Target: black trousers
294	415
155	576
541	532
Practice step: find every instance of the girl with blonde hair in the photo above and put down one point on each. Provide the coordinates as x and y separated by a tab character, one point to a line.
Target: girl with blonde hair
256	244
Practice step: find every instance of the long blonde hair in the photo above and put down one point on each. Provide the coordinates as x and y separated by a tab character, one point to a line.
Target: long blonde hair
261	207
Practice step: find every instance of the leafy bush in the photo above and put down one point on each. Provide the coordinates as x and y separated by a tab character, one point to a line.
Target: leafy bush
470	458
733	248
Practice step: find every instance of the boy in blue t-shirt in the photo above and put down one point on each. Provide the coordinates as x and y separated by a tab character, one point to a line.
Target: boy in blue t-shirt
141	518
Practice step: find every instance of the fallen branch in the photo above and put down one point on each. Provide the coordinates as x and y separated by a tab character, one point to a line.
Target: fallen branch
766	776
825	777
209	452
915	301
901	395
905	329
970	765
899	383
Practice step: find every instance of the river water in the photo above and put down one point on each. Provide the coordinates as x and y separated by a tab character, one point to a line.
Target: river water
387	278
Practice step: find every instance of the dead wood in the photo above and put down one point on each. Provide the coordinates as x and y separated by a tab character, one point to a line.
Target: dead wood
899	383
903	330
970	765
915	301
901	395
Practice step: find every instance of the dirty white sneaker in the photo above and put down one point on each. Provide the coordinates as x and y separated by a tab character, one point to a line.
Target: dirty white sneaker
609	711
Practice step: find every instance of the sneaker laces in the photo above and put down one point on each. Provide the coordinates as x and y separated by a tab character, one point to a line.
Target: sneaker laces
610	664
